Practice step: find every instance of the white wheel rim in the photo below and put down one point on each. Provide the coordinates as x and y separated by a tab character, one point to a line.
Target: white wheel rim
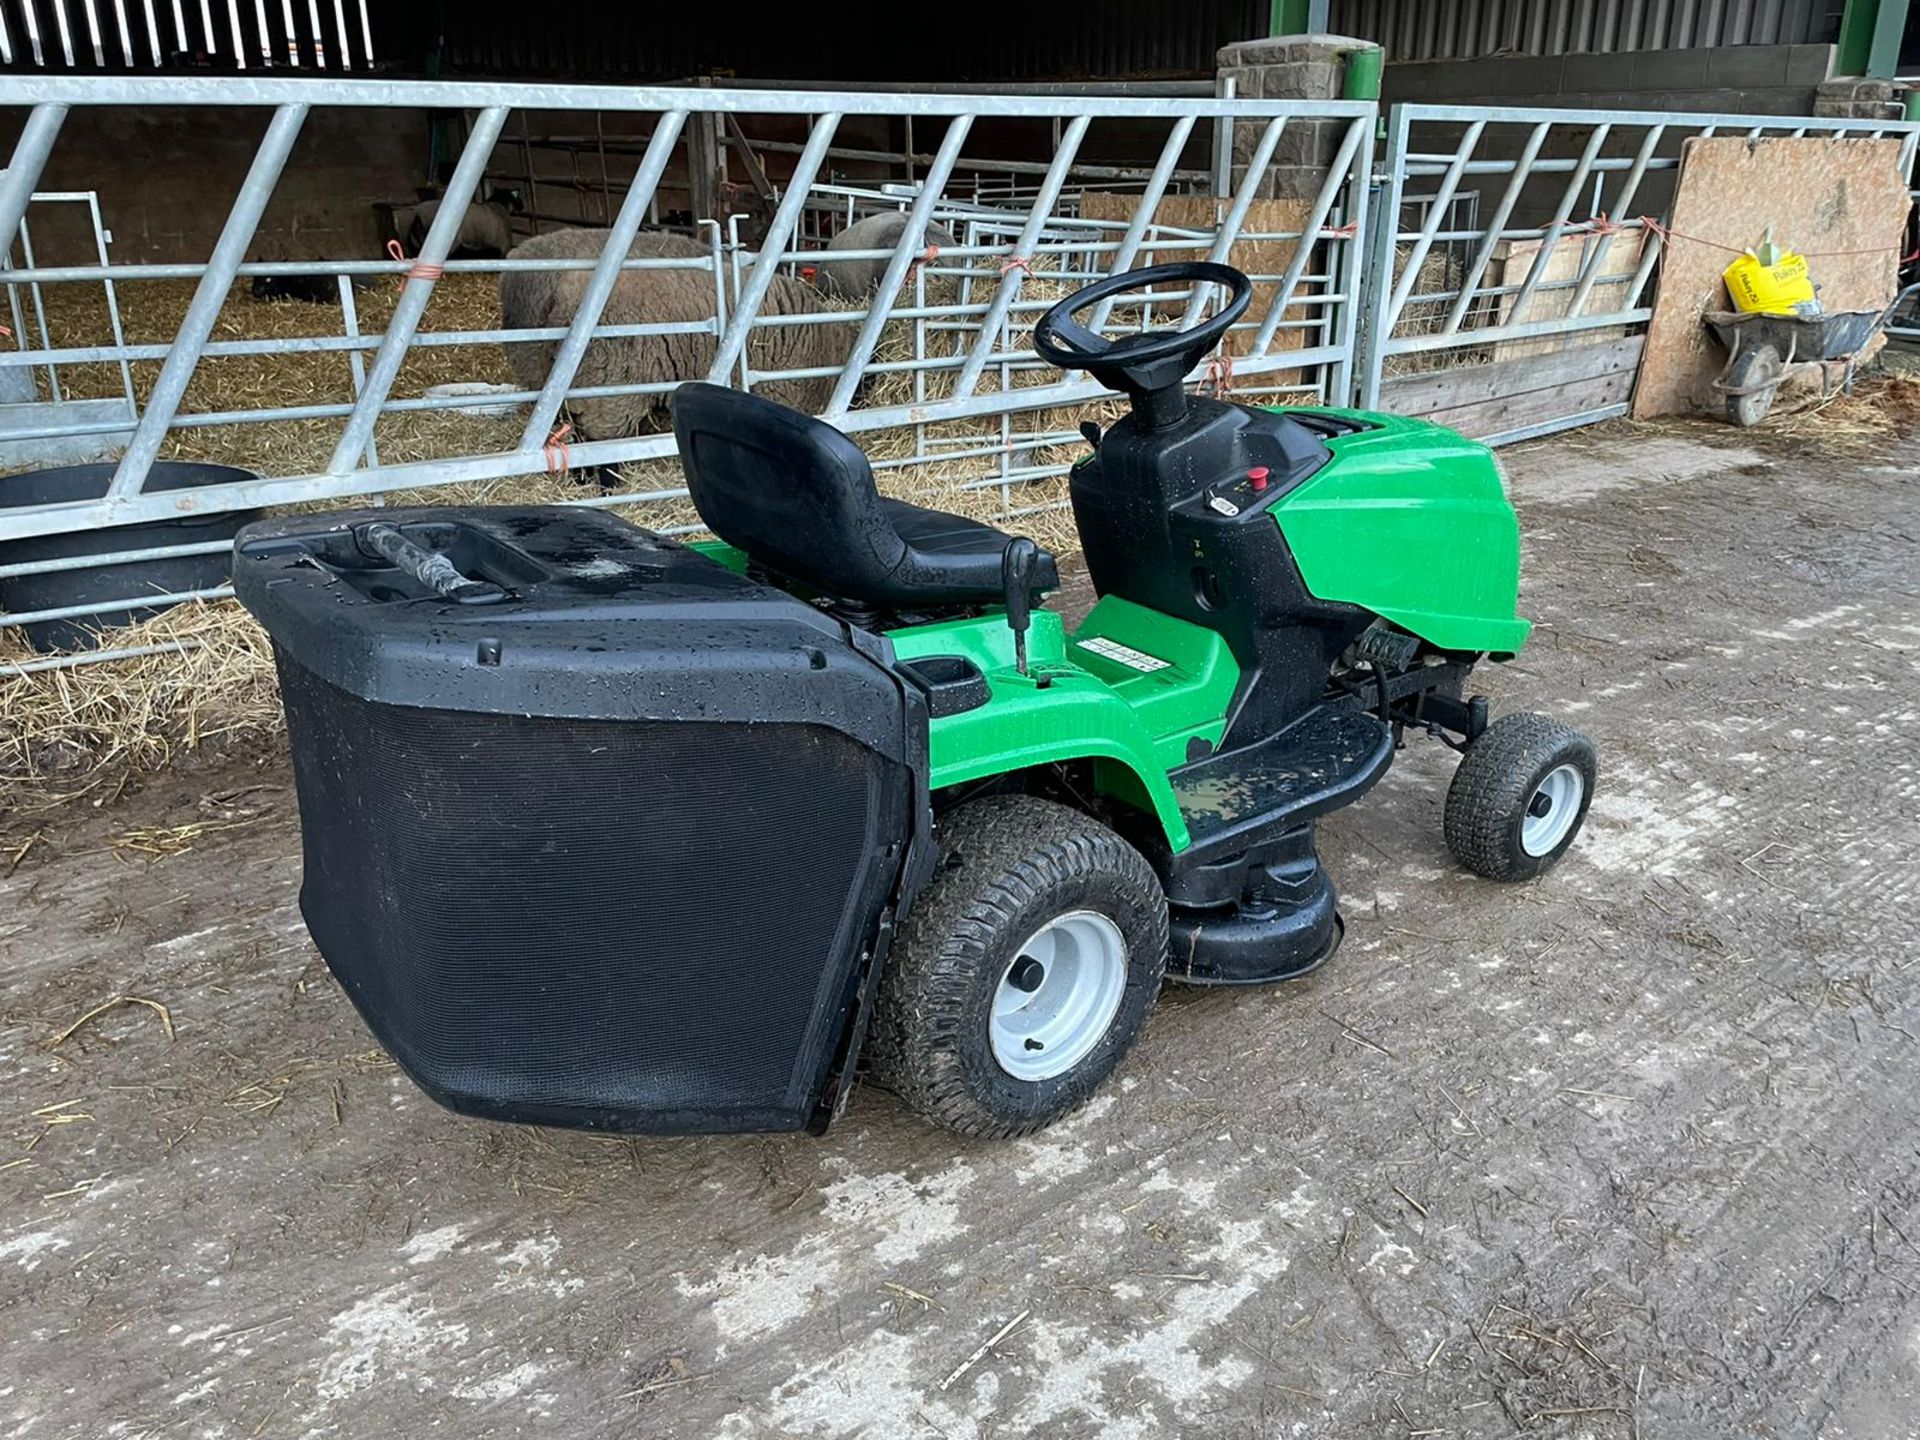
1551	810
1058	996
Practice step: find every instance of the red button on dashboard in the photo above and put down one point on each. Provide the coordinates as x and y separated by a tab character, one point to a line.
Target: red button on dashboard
1258	475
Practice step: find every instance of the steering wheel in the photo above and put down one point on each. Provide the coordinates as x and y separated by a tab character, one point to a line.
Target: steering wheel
1145	364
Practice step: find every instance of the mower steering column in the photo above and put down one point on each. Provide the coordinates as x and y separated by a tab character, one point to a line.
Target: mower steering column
1149	367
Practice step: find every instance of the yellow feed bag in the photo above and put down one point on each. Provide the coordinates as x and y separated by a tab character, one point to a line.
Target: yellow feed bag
1770	289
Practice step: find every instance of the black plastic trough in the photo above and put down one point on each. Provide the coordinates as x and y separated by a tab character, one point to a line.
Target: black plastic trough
127	580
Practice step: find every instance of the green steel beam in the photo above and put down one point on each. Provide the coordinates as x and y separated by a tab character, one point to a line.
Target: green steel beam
1883	60
1869	38
1856	37
1297	17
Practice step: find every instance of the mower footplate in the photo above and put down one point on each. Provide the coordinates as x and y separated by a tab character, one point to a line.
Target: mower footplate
1237	800
1248	901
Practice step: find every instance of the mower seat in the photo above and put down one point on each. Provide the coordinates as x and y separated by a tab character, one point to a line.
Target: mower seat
798	497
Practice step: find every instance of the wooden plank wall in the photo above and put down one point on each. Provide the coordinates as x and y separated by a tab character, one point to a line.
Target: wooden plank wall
1512	394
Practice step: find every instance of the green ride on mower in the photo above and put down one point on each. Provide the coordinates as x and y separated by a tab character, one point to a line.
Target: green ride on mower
607	830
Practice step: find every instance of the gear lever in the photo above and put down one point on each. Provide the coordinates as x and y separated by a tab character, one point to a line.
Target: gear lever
1017	564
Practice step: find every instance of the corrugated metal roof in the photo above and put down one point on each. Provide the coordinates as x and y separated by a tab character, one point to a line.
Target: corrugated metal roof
1063	39
594	40
1466	29
110	35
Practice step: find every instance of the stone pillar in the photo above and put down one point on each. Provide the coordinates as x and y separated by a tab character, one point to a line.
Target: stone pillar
1857	98
1290	67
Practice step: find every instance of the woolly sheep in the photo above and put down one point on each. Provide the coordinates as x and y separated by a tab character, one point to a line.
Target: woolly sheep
857	279
538	299
486	230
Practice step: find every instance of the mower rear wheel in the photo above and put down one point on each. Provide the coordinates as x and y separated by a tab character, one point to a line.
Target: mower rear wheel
1024	972
1519	797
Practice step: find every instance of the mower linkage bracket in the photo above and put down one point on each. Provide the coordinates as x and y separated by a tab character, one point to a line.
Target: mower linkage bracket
1414	698
1467	718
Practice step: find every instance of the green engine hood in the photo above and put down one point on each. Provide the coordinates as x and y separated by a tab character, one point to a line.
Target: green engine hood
1412	522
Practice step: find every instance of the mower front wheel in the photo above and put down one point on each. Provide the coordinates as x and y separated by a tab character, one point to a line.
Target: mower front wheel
1025	971
1519	797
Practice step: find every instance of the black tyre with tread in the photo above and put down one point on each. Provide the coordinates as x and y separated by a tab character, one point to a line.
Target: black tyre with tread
1008	865
1756	366
1497	778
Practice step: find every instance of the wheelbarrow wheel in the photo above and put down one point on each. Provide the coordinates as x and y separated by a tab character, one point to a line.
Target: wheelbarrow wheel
1024	972
1756	371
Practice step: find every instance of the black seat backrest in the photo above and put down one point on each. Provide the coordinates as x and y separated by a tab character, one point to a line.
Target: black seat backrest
789	490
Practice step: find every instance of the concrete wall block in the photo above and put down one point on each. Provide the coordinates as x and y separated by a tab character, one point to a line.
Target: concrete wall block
1495	80
1597	72
1671	80
1748	64
1809	64
1778	100
323	206
1529	74
1671	69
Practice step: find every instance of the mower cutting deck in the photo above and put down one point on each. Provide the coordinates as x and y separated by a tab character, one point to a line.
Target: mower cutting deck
607	830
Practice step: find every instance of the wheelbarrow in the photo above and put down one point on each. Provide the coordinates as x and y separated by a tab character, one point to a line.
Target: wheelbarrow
1765	352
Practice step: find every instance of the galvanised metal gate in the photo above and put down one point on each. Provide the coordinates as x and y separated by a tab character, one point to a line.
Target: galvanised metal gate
1547	293
1484	239
1905	324
1029	253
938	349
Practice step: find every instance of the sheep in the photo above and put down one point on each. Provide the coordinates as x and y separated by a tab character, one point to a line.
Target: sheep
538	299
857	279
486	230
316	289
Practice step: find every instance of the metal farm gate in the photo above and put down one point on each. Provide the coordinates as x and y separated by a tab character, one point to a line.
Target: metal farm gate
1440	273
1529	316
938	359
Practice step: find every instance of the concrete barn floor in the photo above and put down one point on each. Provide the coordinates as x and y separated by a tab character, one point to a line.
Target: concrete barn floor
1628	1152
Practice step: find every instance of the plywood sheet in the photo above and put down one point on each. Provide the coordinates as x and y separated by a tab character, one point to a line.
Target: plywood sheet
1840	202
1255	257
